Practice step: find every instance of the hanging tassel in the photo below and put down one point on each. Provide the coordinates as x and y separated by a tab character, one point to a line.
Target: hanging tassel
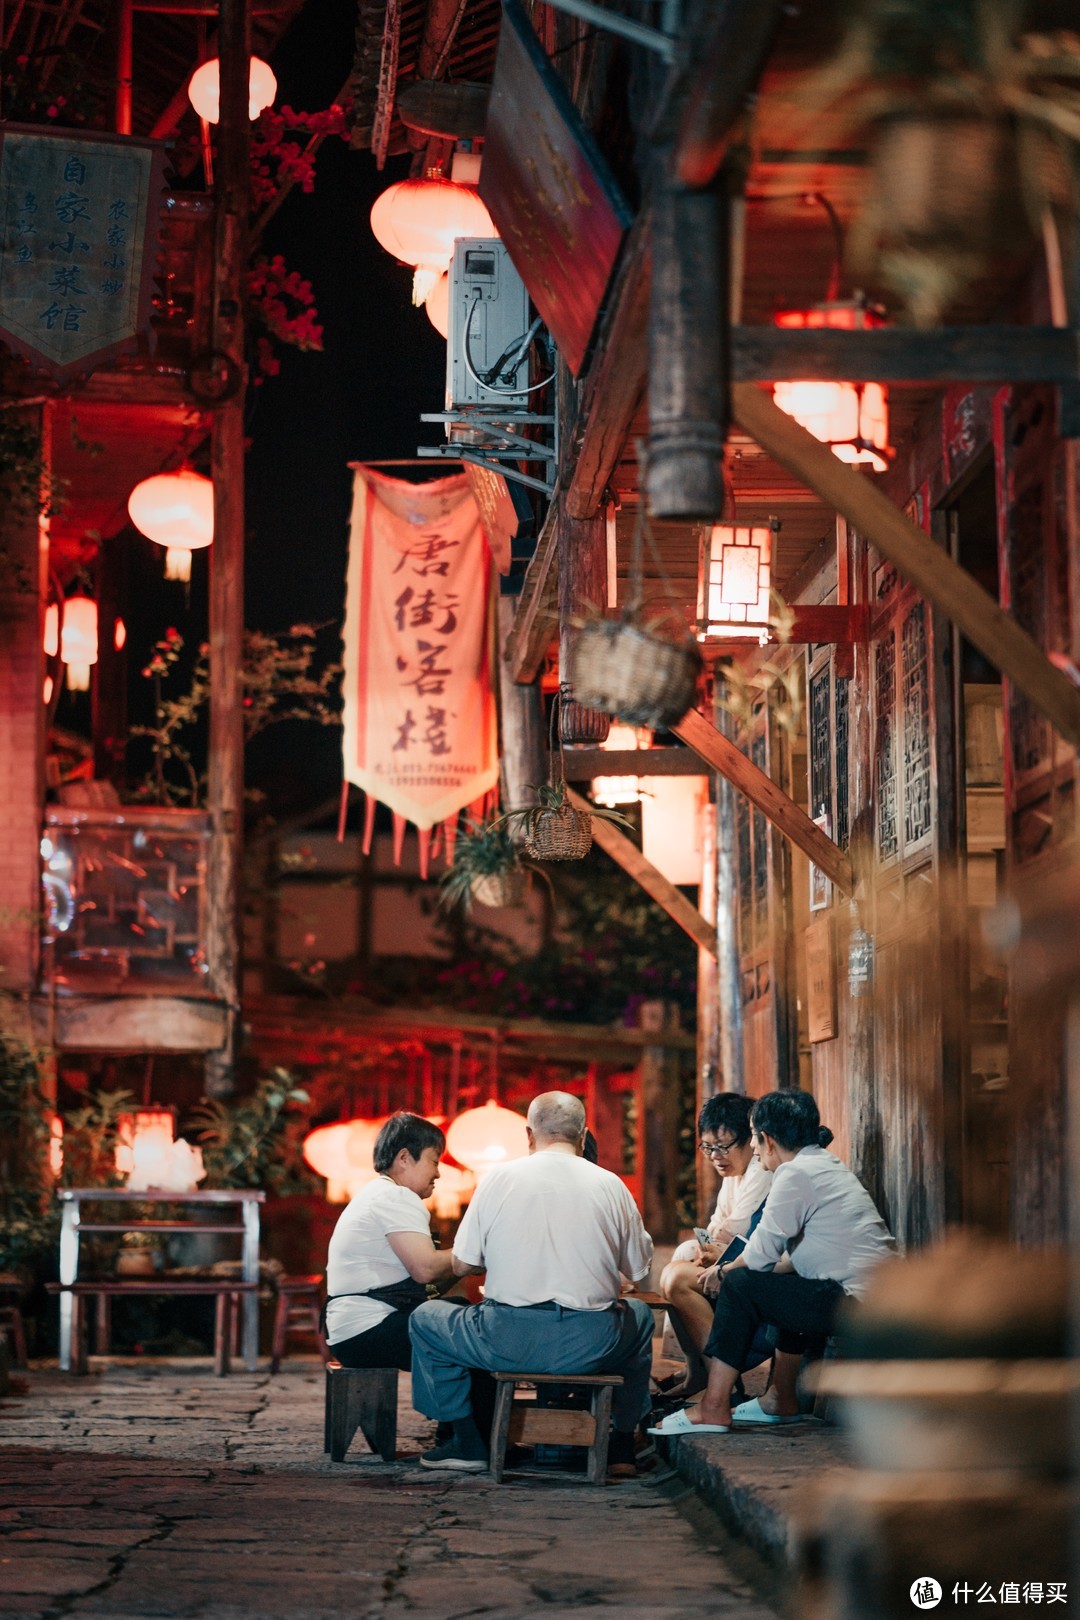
423	835
369	822
436	841
343	812
450	830
399	837
476	809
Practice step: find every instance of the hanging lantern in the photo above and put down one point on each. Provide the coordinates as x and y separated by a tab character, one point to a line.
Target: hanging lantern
453	1189
79	640
484	1137
52	630
733	581
56	1146
144	1143
437	305
119	635
175	510
47	689
343	1153
615	790
204	89
851	418
418	221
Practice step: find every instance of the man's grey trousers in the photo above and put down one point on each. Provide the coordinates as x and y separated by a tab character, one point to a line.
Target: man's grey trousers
447	1341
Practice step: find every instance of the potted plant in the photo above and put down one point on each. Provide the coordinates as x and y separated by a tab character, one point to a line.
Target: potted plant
140	1255
554	829
486	869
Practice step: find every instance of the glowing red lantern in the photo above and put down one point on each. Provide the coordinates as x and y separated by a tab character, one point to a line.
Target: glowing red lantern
851	418
343	1153
484	1137
204	89
79	640
437	305
175	510
418	221
52	630
119	635
144	1141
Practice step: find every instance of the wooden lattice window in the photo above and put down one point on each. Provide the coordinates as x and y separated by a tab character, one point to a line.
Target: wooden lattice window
821	739
918	813
885	785
759	755
841	696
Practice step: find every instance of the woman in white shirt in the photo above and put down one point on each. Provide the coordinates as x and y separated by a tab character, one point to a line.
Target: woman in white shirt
817	1241
725	1139
381	1254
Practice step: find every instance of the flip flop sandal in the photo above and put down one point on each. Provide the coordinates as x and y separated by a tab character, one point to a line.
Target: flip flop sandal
753	1412
679	1423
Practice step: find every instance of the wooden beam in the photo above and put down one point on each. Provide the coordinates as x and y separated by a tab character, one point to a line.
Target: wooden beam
537	616
942	581
969	354
723	756
727	50
583	764
616	380
130	1023
814	622
672	900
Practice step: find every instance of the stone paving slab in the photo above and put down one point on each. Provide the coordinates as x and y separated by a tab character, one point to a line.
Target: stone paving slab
157	1492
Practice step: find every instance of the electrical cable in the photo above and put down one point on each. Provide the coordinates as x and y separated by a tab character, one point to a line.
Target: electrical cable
475	375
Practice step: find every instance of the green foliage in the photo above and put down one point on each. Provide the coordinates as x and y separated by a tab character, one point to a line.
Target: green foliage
25	479
484	850
29	1223
255	1141
552	798
91	1136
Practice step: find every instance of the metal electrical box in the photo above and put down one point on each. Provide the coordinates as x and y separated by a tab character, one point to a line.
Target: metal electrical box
486	352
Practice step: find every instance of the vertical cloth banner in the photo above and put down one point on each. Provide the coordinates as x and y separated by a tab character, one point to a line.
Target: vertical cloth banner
79	220
420	731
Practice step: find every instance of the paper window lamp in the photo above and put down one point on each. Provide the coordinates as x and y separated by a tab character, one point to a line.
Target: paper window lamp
734	581
851	418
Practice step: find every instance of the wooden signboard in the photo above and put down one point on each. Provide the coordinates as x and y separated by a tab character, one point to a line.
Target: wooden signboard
821	980
548	189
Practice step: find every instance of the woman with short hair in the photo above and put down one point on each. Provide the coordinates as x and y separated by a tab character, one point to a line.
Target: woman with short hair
819	1238
381	1254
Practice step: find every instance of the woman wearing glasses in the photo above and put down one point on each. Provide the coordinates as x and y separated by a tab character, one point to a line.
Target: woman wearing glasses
691	1278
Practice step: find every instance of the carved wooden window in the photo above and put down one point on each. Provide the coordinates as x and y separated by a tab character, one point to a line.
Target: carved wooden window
746	869
918	814
821	739
841	694
885	787
759	755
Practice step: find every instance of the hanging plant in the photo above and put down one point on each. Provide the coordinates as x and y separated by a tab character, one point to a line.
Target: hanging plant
487	869
554	829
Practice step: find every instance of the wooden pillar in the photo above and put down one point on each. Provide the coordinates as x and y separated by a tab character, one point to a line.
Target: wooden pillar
688	349
226	772
708	1015
728	964
23	556
582	548
124	20
658	1127
521	717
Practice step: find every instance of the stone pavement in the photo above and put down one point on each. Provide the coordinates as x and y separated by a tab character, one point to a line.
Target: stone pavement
156	1490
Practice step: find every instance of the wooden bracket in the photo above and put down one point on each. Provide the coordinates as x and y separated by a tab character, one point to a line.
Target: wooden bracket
537	618
722	755
840	626
656	885
940	580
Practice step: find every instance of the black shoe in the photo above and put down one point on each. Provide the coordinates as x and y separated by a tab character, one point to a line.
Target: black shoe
621	1462
453	1455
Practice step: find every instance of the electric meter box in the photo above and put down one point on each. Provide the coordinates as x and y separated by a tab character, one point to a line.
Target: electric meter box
489	319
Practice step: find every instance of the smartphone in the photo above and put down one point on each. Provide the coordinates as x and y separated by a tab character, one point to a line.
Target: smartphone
701	1233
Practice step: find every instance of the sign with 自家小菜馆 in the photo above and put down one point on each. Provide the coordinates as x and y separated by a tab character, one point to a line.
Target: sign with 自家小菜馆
79	220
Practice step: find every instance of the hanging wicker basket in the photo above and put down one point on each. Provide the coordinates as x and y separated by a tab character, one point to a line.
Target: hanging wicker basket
559	834
626	669
500	889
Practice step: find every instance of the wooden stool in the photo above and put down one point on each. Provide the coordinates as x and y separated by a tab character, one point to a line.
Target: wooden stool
363	1398
523	1422
299	1307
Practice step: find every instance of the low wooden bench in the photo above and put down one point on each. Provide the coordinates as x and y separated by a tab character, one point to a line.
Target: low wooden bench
525	1423
298	1310
225	1291
363	1398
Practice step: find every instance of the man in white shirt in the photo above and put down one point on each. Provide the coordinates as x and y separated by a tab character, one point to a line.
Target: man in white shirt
553	1233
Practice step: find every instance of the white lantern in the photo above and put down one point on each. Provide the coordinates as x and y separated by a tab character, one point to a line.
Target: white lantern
484	1137
79	640
175	510
204	90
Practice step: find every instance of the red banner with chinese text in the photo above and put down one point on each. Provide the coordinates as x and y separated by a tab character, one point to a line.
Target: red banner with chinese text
420	731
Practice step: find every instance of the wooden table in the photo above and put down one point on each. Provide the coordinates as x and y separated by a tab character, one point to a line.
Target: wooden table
245	1226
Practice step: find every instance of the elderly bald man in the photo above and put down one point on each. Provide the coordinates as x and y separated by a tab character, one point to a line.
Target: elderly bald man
553	1233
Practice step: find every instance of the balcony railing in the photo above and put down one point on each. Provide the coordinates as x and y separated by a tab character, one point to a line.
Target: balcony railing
124	900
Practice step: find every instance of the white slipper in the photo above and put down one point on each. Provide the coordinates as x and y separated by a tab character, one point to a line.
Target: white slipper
679	1423
754	1412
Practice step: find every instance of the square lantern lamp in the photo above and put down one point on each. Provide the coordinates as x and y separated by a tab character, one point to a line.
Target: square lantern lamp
851	418
734	581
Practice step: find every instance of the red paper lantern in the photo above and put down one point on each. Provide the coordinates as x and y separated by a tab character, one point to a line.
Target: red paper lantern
437	305
418	221
175	510
343	1153
851	418
204	89
484	1137
79	640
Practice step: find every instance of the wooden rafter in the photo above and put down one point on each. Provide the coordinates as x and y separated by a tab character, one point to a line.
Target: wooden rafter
942	581
537	617
723	756
969	354
659	888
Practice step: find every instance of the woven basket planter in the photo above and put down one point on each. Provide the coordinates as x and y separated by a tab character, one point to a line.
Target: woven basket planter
563	834
500	888
627	670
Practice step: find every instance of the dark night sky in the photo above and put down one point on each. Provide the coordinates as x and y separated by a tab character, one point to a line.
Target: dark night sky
361	398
